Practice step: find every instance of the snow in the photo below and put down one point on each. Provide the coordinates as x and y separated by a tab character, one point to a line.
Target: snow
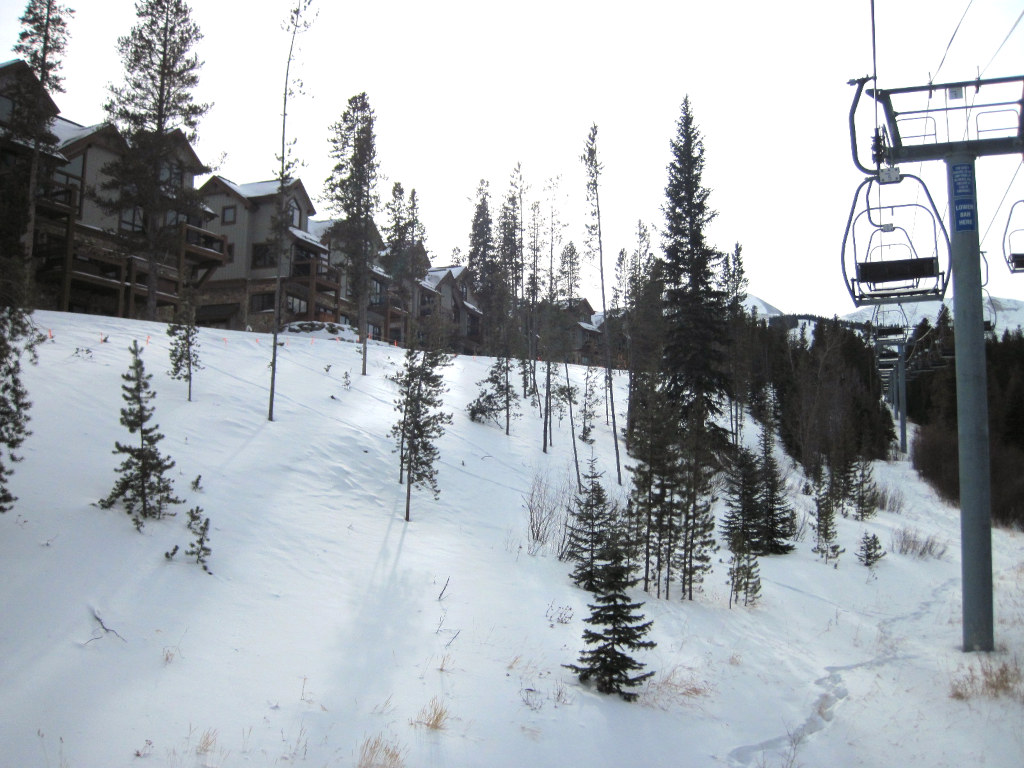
328	620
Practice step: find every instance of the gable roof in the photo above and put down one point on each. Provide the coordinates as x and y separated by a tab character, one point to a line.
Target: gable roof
252	192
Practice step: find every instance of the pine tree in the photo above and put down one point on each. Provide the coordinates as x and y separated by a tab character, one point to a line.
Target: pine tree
695	304
696	541
184	350
590	525
865	494
420	397
742	483
154	110
618	629
17	340
741	526
871	550
142	485
199	526
824	525
41	43
776	517
588	408
351	190
497	395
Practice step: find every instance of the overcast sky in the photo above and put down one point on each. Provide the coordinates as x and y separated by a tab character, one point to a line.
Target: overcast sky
465	90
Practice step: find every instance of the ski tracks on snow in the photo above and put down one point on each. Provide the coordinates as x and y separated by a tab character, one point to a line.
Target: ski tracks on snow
834	692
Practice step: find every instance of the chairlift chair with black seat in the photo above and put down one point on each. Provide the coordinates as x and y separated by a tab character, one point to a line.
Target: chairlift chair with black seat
1013	238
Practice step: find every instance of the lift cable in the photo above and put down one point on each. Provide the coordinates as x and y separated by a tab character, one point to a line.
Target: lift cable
950	43
1003	200
1008	34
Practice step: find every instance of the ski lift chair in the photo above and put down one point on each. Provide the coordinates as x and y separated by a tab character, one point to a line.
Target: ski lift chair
889	324
883	262
1013	238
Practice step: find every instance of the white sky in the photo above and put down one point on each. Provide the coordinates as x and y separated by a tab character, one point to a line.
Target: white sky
465	90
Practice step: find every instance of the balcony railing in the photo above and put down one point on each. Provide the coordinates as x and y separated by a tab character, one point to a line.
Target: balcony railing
318	268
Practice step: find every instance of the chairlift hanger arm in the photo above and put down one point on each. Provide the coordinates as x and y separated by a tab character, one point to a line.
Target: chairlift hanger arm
860	82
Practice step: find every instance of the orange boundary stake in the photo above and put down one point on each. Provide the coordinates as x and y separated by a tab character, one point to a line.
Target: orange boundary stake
50	331
147	341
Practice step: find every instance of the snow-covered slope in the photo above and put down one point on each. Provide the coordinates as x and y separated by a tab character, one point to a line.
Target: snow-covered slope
328	620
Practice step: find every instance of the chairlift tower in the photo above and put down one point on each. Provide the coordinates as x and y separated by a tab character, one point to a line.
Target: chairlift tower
974	118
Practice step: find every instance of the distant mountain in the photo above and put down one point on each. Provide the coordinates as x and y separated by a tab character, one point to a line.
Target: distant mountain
1006	314
764	309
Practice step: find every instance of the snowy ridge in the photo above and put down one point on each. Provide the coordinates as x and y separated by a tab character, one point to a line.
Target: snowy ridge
328	619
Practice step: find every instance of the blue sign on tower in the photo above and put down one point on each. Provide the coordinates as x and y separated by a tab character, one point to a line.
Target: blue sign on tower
965	201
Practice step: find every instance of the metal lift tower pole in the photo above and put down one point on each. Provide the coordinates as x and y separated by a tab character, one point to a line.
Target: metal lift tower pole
971	406
991	126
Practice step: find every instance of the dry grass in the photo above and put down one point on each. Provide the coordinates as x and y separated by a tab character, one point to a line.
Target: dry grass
380	752
676	686
990	678
910	541
890	499
207	742
433	716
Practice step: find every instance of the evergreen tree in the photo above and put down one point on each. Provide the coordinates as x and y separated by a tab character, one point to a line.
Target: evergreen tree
777	521
351	190
696	541
741	526
588	408
184	350
199	526
742	483
824	525
154	110
497	395
618	630
569	273
590	525
865	494
41	44
871	550
142	485
17	339
695	304
421	422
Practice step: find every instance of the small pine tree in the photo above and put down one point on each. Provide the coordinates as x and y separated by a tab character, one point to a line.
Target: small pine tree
142	485
740	527
865	493
777	519
618	628
588	408
184	351
871	550
497	396
199	526
824	524
420	396
744	578
590	520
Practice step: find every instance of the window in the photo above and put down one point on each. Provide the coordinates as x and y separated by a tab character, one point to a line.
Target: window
261	302
6	109
263	256
131	220
172	176
296	305
294	214
230	252
227	214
